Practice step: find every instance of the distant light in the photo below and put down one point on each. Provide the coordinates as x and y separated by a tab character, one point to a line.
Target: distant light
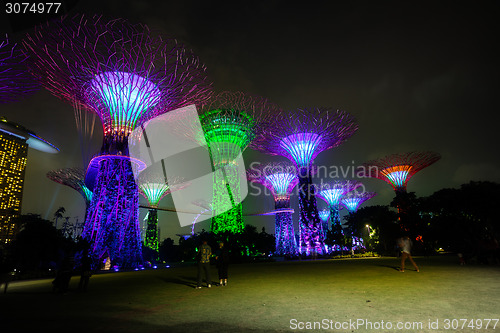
155	267
167	266
136	269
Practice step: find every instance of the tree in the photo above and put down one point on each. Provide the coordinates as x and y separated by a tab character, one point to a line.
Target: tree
59	214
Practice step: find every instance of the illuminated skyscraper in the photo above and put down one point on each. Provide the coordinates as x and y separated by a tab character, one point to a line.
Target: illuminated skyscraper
14	143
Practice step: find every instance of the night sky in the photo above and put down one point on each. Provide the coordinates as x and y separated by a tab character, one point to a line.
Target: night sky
417	76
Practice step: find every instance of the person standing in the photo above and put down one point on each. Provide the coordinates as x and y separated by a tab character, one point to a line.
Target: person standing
203	256
405	245
222	257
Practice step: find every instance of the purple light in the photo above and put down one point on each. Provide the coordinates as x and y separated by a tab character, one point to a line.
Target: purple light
281	182
301	146
127	96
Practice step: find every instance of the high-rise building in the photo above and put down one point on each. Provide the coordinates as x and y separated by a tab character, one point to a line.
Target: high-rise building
14	142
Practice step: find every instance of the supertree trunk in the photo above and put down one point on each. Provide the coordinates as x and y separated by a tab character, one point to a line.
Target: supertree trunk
285	235
151	241
227	198
311	232
112	224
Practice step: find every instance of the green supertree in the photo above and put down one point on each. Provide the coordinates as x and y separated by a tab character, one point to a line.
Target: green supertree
230	122
154	187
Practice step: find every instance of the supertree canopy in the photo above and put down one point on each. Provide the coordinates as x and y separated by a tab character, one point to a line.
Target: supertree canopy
300	136
15	80
280	178
74	178
127	76
332	193
397	169
352	201
230	122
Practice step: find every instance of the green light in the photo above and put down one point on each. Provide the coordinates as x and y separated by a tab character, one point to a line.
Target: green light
227	133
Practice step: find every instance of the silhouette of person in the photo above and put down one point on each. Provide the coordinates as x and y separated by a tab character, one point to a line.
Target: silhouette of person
222	257
203	256
405	245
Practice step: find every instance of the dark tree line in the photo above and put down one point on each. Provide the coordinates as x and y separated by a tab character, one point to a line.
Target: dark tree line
464	220
246	246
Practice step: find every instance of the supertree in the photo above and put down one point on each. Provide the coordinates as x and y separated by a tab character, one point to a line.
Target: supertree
153	187
300	136
397	170
15	80
230	122
332	194
324	216
351	202
74	178
127	76
280	178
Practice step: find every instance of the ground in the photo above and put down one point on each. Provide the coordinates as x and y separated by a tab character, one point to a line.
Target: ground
266	297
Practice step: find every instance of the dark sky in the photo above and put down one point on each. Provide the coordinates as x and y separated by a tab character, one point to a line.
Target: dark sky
417	76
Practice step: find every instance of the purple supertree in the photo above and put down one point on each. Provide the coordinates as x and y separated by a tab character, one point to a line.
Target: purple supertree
351	202
74	178
15	79
280	178
127	76
300	136
332	193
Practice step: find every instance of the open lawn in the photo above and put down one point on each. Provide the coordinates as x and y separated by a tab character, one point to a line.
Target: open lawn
264	297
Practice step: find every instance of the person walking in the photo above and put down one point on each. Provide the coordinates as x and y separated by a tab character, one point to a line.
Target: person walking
222	257
203	256
405	245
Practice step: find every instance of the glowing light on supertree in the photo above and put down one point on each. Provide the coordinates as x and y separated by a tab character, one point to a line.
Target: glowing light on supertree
332	193
154	188
127	76
397	169
324	216
280	178
74	178
230	122
15	80
300	136
353	200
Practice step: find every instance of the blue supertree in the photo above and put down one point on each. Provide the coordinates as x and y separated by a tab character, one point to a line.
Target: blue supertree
280	178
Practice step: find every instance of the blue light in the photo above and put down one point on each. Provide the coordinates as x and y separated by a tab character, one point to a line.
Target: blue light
155	267
324	215
301	147
398	178
352	203
332	196
281	182
127	96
